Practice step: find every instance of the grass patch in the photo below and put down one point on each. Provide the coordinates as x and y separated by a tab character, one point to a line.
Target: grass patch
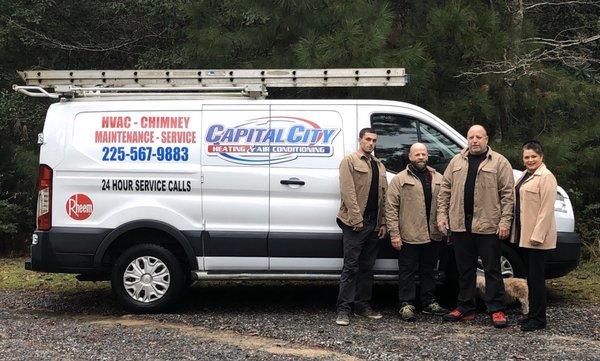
582	285
14	276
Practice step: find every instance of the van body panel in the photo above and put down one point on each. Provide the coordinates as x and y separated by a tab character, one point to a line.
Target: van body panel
102	179
236	196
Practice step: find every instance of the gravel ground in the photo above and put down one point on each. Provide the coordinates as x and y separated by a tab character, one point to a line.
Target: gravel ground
272	321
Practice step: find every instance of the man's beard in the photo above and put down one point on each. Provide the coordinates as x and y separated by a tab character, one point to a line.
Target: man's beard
419	165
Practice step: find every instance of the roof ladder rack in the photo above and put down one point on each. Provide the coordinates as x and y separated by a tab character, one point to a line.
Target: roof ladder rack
224	82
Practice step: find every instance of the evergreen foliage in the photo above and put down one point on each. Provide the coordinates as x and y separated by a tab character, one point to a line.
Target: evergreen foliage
440	43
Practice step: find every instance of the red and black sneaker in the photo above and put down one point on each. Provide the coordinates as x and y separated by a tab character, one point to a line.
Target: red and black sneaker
458	315
499	319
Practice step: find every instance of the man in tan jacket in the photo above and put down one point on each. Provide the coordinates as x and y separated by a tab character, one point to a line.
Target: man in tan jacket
411	213
476	203
362	218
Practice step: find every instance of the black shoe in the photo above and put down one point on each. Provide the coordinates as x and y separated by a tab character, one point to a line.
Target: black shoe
434	308
532	325
368	312
522	321
342	319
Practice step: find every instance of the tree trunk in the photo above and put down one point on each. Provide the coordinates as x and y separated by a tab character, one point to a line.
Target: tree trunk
515	28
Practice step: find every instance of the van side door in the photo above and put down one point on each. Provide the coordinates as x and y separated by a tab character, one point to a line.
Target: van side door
303	234
235	188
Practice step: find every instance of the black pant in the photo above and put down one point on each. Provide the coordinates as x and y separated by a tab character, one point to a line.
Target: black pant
360	253
536	283
413	258
467	247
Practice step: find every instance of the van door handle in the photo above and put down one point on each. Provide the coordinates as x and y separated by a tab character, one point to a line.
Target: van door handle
292	182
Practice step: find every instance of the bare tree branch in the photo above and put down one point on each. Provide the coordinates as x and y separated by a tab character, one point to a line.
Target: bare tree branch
561	43
571	48
529	6
45	40
525	65
568	30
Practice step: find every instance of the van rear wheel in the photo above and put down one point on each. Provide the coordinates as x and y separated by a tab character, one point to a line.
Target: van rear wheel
511	264
147	278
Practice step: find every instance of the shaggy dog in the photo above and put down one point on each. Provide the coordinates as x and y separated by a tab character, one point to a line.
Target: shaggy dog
516	290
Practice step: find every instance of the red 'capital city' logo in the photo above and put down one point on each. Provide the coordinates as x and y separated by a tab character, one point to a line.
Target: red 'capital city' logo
79	207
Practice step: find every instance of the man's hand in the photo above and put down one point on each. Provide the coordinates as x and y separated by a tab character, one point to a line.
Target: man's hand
443	226
535	242
397	243
503	232
382	231
359	227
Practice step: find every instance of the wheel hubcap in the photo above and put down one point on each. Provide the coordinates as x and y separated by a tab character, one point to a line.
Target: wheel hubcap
146	279
506	269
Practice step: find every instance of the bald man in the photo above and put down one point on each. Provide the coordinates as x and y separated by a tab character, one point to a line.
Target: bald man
475	204
411	219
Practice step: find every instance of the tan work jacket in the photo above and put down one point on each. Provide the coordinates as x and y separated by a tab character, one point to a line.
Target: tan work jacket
493	199
355	182
405	208
536	197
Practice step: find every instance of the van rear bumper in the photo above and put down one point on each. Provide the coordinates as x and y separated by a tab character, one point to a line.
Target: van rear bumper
65	250
565	257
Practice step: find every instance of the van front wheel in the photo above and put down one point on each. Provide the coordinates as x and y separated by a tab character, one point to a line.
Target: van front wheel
147	278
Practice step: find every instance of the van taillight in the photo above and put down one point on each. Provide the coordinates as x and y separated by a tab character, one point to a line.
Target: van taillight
44	205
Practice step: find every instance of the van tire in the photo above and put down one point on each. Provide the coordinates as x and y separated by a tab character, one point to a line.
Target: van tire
165	268
515	260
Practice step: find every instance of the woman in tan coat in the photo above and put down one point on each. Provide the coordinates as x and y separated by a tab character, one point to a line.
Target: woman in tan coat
534	228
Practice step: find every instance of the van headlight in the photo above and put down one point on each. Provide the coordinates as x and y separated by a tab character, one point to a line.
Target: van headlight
560	205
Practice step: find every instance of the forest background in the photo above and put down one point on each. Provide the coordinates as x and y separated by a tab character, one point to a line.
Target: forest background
524	69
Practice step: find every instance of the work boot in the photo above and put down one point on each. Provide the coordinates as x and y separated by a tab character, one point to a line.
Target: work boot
434	308
499	319
458	315
407	312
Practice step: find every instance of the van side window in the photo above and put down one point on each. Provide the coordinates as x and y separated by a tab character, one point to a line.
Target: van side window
395	135
441	148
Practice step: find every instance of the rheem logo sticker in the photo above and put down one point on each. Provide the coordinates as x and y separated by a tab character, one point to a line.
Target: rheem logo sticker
79	207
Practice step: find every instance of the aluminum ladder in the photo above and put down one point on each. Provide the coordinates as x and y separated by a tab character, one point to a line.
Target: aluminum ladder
253	83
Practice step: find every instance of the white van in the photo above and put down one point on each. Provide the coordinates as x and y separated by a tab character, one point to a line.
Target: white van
157	190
